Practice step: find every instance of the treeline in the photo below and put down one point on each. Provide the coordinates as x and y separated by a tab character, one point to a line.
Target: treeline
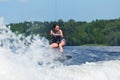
101	32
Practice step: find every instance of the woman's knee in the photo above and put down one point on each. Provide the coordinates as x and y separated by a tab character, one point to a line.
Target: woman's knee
61	44
51	46
54	45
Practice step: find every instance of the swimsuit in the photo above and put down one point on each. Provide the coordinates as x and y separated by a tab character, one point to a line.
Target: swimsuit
57	38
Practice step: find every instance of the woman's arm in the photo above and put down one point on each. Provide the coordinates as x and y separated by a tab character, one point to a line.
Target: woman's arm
61	33
52	33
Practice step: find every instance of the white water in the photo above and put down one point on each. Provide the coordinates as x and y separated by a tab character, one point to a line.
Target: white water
20	62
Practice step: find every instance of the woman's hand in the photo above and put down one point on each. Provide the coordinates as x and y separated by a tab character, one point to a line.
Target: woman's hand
52	33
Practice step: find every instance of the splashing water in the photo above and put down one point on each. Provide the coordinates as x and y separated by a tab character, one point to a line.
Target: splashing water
31	49
29	58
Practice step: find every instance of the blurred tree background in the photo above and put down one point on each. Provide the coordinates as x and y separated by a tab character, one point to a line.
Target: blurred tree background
101	32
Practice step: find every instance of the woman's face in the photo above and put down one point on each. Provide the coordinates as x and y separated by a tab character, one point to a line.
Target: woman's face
57	28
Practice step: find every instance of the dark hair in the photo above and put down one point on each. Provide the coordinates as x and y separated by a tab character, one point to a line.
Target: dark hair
55	25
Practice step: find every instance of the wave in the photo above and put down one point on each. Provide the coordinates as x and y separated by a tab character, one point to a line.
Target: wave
11	69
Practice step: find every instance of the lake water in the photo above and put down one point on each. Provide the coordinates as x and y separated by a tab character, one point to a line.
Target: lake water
83	54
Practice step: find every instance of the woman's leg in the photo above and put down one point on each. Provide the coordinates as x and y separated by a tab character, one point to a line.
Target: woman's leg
54	45
61	46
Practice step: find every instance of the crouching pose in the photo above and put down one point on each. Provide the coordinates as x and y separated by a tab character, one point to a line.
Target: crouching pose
57	38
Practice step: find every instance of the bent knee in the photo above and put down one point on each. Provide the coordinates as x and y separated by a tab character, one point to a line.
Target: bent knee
54	45
61	44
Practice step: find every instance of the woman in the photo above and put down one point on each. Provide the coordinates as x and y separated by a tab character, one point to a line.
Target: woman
58	39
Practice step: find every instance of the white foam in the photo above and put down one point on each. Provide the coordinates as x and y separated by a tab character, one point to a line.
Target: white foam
20	62
16	70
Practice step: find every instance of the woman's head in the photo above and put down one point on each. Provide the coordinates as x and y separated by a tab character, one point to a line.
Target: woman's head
56	27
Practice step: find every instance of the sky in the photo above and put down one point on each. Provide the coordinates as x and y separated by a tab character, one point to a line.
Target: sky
52	10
